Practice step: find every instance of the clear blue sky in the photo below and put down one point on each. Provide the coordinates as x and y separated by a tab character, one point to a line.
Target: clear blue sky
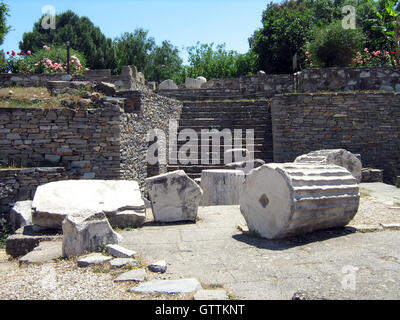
183	22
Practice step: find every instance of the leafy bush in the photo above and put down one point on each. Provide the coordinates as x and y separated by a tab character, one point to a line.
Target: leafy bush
334	46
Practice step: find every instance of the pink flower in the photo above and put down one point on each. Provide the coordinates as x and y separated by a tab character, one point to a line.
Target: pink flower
366	49
29	52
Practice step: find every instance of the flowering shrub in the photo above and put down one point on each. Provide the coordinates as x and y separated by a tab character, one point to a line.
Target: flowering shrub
372	59
13	62
308	61
48	60
51	60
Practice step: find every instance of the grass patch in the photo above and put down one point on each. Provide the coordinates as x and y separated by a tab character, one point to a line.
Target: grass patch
16	97
37	98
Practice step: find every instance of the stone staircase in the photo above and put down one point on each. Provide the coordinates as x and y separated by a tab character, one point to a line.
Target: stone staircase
233	113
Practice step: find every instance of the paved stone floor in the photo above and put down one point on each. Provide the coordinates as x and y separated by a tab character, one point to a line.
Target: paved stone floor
385	193
320	264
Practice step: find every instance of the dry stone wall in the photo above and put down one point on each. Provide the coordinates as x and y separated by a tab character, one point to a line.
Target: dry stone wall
364	123
347	79
155	112
85	142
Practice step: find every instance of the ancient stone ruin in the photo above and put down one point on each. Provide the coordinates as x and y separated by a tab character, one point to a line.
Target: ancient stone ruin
281	200
265	125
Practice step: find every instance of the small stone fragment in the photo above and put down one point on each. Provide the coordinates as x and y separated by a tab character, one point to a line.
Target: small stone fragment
119	252
159	266
93	259
123	262
133	275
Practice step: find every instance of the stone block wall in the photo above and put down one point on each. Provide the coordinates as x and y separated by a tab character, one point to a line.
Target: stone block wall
154	112
129	79
20	184
31	80
347	79
85	142
365	123
106	142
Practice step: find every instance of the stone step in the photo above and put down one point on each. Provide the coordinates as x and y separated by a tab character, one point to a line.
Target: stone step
198	128
226	123
222	147
226	109
211	115
257	154
242	142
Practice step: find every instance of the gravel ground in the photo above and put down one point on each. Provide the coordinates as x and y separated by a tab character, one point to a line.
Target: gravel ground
372	212
65	281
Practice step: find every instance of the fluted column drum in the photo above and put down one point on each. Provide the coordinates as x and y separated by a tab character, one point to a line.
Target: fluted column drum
284	199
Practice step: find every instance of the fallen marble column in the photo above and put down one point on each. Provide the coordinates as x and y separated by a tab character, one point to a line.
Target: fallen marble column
221	187
340	157
281	200
174	197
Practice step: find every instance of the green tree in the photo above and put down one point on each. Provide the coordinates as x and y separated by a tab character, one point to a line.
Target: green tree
210	62
82	35
134	49
4	28
334	46
286	29
165	63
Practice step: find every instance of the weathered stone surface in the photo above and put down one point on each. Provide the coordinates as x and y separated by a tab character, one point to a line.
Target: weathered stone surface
159	266
340	157
217	294
21	214
221	186
191	83
108	89
136	275
123	262
168	85
168	286
46	251
281	200
119	252
86	233
371	175
245	166
54	201
174	197
127	218
92	259
27	238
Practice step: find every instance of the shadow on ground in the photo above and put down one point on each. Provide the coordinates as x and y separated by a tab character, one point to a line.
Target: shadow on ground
287	243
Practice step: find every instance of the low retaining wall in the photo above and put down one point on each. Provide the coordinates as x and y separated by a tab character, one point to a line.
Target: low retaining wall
106	142
348	79
365	123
